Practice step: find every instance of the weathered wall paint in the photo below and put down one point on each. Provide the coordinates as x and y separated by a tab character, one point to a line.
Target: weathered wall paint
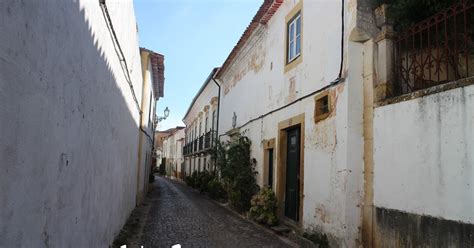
401	229
423	154
69	126
333	164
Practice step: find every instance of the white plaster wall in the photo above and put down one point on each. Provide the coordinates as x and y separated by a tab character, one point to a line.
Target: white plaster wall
178	154
166	148
258	72
256	84
69	126
192	120
424	155
204	99
148	107
179	159
171	146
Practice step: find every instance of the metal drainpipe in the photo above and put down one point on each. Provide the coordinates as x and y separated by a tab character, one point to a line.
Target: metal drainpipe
218	104
218	111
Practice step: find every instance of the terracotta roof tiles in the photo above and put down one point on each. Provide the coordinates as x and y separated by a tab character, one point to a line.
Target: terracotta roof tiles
263	15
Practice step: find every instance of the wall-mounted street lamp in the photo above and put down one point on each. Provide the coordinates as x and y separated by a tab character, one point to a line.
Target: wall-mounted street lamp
234	120
166	113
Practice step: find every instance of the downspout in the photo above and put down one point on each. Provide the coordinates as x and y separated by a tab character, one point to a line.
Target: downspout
153	142
342	42
218	110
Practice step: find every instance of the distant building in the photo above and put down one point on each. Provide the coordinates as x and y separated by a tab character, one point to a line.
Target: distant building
172	155
159	138
201	127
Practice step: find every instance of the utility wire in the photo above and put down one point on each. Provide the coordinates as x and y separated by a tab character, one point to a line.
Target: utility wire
123	61
337	81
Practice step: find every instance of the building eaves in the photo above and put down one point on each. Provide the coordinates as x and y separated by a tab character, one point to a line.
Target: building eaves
263	15
208	80
158	72
173	130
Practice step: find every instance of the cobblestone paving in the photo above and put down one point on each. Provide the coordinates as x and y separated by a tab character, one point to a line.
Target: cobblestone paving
178	215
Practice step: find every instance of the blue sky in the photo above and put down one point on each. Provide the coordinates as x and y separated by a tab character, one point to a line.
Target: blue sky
194	36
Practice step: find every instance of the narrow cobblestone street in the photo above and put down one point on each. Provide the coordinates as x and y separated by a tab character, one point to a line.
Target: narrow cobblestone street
175	214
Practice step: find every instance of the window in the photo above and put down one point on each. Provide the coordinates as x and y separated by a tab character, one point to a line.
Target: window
270	168
205	124
200	128
214	120
268	162
294	38
322	107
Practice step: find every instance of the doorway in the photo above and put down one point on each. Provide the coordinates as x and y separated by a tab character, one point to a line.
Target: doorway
270	168
289	169
292	189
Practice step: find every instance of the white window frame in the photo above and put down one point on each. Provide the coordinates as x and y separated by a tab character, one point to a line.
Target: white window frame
214	119
200	127
293	37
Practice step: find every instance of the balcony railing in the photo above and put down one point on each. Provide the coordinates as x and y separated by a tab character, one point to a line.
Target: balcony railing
203	143
207	140
437	50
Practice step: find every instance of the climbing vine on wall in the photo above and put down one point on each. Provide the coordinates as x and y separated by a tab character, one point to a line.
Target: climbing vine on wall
409	12
237	171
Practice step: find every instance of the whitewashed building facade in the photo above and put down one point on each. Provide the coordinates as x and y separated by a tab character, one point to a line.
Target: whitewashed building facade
313	85
201	127
173	152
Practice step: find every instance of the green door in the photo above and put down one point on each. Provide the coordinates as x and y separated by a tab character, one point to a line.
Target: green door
292	196
270	168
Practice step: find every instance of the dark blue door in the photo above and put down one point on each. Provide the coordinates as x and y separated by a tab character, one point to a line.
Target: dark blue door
292	196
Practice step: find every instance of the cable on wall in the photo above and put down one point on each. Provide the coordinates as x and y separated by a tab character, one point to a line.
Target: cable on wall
342	41
337	81
123	61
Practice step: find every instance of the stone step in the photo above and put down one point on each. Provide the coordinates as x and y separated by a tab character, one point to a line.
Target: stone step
281	229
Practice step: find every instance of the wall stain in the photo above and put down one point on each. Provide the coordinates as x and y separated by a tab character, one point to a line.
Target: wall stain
321	213
291	90
401	229
324	132
257	60
45	236
254	63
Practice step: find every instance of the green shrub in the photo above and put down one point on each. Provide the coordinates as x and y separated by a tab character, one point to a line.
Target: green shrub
263	208
317	238
192	181
409	12
203	180
215	188
188	180
238	172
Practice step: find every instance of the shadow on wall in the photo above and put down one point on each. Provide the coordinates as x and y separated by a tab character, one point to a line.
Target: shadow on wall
68	139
